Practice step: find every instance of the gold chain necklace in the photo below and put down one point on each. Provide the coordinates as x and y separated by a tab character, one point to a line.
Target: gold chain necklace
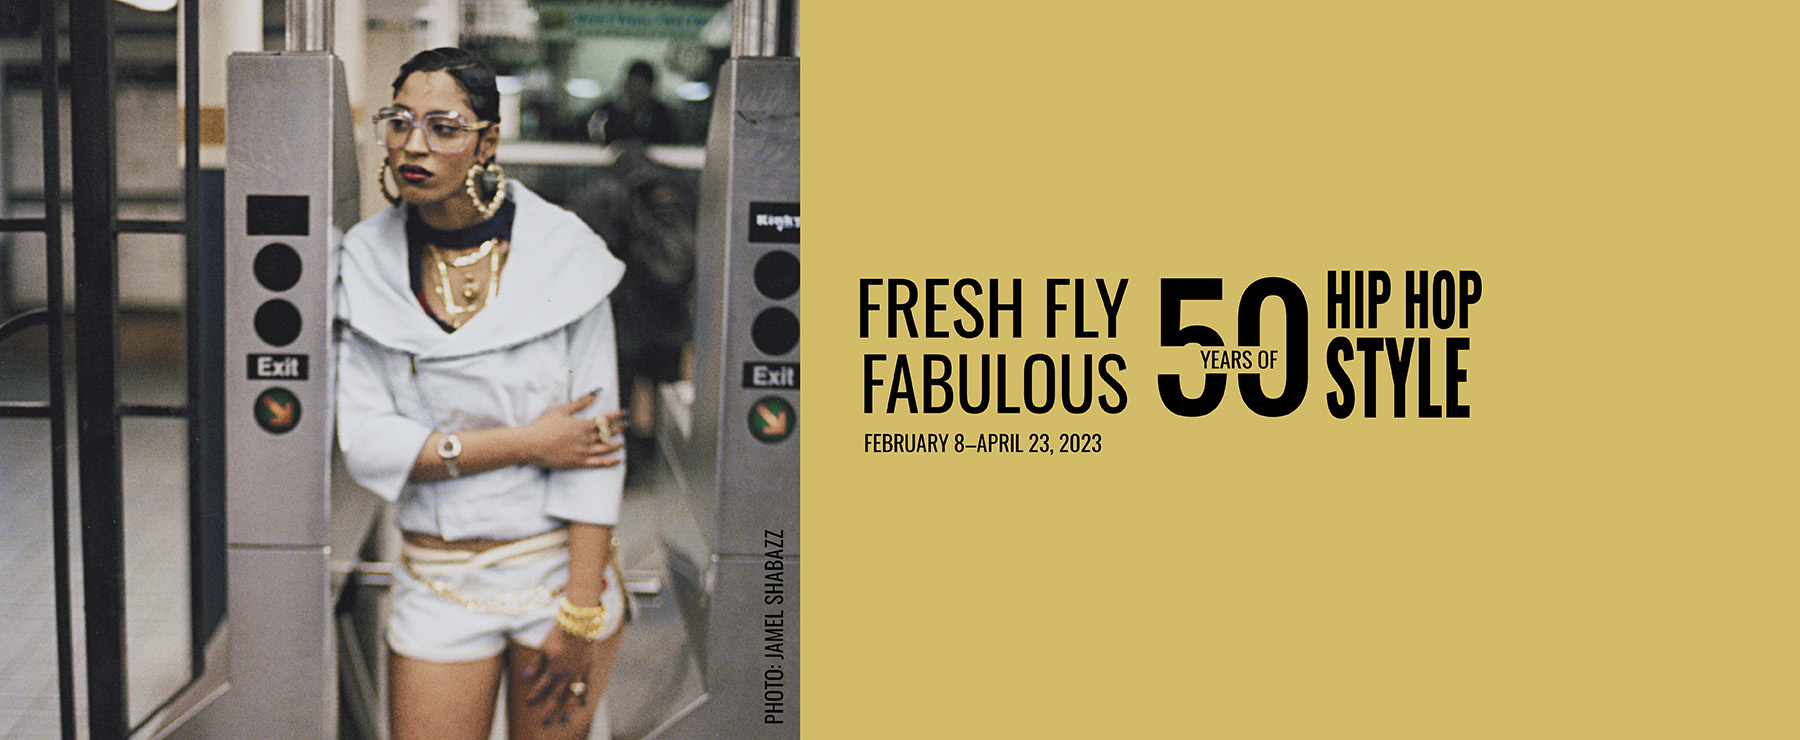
473	299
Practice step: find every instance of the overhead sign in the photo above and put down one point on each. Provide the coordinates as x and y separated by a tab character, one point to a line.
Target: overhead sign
640	20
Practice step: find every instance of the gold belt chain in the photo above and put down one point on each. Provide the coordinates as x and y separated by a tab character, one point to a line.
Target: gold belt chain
514	604
517	603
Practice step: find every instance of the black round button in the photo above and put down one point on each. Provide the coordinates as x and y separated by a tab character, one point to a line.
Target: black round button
278	322
778	274
775	331
277	267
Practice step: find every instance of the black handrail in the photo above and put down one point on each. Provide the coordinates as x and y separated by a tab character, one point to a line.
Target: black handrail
24	410
23	321
51	89
95	189
22	224
205	342
146	226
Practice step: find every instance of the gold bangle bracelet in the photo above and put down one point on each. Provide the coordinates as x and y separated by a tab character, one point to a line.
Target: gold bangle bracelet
589	622
583	630
565	606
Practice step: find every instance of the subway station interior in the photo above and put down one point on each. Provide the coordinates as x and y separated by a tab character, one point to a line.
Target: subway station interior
175	179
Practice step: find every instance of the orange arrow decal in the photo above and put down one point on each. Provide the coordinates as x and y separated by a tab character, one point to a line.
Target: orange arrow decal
774	424
280	414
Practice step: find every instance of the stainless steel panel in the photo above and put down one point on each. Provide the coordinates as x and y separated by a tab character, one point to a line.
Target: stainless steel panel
746	485
289	136
752	656
282	654
739	595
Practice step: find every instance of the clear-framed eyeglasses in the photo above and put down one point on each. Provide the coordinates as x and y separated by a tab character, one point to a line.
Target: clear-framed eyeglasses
444	132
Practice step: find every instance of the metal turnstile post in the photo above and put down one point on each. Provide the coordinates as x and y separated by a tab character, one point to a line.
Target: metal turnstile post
742	468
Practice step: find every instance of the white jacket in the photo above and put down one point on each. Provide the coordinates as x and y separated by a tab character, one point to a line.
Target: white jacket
545	339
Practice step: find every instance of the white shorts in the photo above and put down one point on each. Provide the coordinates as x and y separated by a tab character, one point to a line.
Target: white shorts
515	603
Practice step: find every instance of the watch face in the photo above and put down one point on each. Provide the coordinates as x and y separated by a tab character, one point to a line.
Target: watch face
450	447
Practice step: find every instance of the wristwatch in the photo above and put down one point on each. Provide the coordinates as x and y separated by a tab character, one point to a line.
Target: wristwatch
450	448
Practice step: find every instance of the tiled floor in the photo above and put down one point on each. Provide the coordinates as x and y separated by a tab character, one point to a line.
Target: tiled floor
155	484
656	676
28	669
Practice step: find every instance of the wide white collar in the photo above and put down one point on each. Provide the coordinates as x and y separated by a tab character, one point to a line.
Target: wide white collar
556	273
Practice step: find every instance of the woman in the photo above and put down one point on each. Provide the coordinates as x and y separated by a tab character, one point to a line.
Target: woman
477	387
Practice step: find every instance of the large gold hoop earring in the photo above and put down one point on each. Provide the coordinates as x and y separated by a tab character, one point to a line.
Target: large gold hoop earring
470	184
381	178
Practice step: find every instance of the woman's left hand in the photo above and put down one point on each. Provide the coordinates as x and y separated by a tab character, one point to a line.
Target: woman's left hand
562	660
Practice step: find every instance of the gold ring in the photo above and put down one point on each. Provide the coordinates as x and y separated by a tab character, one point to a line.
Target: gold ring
578	688
600	427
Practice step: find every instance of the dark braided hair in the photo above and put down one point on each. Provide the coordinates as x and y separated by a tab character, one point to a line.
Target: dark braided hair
472	74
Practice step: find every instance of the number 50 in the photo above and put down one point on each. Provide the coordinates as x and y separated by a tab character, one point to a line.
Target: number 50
1175	291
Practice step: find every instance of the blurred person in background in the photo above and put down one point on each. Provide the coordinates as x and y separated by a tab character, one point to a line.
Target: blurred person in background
636	114
646	211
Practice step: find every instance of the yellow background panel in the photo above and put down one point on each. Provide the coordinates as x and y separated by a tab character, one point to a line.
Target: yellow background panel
1606	548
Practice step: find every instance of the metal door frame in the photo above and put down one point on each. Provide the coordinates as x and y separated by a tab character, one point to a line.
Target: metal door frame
94	196
55	408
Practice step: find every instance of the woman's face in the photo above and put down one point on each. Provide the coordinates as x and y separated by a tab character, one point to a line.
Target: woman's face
422	175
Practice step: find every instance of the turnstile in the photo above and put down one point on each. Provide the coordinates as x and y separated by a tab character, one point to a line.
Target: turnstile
740	463
290	194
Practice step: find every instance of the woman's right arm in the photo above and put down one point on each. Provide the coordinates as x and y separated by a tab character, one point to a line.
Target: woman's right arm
556	440
384	449
380	444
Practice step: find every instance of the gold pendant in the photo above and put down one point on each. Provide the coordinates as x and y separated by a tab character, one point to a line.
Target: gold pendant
474	298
